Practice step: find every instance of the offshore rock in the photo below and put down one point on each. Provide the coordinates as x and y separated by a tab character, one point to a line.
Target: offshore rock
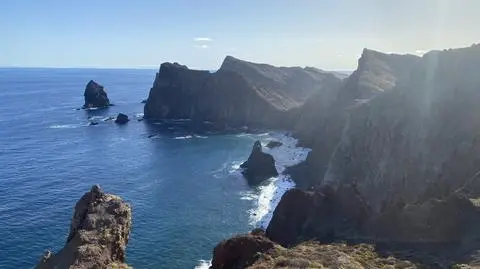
122	119
259	166
95	96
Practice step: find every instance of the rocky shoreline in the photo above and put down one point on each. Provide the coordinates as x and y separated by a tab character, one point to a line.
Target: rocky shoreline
391	181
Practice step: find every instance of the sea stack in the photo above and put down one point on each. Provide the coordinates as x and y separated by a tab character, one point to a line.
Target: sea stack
95	96
98	234
259	166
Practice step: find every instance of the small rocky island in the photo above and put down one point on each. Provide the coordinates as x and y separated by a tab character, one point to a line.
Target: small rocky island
259	166
121	119
95	96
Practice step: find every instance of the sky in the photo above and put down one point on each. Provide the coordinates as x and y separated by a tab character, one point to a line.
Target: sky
144	33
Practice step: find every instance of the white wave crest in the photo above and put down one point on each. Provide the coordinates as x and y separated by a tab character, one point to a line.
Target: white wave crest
64	126
183	137
269	195
203	264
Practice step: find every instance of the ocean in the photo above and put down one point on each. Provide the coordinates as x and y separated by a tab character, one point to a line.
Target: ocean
184	185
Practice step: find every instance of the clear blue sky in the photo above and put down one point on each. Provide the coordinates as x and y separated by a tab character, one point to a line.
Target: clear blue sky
141	33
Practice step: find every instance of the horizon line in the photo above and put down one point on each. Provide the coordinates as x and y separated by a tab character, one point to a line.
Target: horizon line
129	68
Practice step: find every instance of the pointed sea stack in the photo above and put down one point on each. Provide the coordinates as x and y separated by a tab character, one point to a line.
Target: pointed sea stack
259	166
95	96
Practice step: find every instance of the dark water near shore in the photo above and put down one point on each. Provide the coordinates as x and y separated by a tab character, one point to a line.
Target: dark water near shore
185	188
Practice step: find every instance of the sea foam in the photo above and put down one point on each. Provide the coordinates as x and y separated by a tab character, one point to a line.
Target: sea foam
269	194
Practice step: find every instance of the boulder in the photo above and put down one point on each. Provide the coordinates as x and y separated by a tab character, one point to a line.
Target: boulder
240	251
259	166
274	144
95	96
122	119
98	234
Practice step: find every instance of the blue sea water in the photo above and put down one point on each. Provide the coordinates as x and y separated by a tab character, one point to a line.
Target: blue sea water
184	187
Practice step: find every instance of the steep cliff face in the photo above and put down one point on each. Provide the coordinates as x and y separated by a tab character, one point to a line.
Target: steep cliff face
320	121
419	141
239	93
98	234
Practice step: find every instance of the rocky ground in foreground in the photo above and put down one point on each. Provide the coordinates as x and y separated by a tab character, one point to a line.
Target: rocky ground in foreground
256	251
98	234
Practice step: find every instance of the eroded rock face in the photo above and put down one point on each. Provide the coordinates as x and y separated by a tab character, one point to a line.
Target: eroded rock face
98	234
259	166
95	96
240	251
319	123
251	94
418	141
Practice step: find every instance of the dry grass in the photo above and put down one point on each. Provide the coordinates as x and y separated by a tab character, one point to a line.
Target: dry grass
338	256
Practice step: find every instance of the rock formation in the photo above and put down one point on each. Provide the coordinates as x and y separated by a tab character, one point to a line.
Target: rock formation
240	251
95	96
259	166
121	119
98	234
251	94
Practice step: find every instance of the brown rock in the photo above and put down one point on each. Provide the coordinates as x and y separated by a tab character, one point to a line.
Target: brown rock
98	234
240	251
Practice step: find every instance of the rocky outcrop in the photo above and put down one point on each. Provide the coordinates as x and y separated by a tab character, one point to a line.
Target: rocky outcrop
122	119
240	251
251	94
274	144
98	234
259	166
95	96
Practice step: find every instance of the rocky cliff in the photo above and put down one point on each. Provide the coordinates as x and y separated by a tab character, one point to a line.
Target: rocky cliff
239	93
395	161
418	141
98	234
320	121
